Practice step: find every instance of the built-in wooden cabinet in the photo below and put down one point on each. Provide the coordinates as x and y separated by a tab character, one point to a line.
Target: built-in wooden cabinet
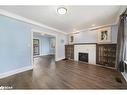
106	54
69	52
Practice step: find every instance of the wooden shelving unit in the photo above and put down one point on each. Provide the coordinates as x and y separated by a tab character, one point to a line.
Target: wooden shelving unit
69	52
106	54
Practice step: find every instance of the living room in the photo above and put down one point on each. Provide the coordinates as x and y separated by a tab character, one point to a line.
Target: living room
90	51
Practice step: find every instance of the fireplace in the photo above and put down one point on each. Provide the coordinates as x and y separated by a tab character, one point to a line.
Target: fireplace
83	57
86	48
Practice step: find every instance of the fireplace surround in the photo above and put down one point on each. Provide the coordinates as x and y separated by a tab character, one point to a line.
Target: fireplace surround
86	48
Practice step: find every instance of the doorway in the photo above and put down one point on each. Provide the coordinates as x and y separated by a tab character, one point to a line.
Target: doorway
43	45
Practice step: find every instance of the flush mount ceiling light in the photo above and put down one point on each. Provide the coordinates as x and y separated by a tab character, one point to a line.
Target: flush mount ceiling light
62	10
93	25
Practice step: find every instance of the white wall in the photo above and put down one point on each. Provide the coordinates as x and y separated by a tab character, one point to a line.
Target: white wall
61	46
52	41
15	45
114	34
92	36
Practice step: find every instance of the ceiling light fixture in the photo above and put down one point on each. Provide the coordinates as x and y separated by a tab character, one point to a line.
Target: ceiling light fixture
93	24
62	10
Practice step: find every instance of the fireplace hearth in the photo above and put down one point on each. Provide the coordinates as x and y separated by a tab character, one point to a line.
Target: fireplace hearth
83	57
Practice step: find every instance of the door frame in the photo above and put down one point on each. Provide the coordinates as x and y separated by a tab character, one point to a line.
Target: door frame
49	33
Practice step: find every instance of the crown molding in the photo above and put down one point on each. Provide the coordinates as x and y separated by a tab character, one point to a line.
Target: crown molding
121	10
39	31
93	28
21	18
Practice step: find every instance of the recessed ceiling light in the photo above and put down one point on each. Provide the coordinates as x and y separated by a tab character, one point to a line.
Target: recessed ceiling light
62	10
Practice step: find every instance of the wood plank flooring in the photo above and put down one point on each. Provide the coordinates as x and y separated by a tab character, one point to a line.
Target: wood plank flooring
64	74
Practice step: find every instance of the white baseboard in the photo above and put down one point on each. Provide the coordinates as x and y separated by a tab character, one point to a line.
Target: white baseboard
58	59
13	72
41	55
51	53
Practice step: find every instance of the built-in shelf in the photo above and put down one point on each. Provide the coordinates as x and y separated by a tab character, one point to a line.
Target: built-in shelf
69	52
106	55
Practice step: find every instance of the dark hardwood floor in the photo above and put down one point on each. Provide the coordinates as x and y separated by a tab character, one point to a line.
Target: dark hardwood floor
64	74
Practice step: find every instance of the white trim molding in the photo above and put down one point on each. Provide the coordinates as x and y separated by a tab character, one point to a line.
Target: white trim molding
125	76
21	18
41	55
124	73
60	58
122	9
32	60
40	31
93	28
52	34
16	71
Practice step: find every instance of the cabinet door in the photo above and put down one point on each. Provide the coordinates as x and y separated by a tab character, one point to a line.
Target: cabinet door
69	51
106	54
66	51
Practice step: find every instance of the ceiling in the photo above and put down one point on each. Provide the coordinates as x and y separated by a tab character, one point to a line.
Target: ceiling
77	17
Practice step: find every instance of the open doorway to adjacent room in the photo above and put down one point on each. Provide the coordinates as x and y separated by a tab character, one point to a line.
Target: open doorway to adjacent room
44	45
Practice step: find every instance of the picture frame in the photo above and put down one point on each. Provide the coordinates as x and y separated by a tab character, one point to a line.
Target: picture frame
104	35
71	39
